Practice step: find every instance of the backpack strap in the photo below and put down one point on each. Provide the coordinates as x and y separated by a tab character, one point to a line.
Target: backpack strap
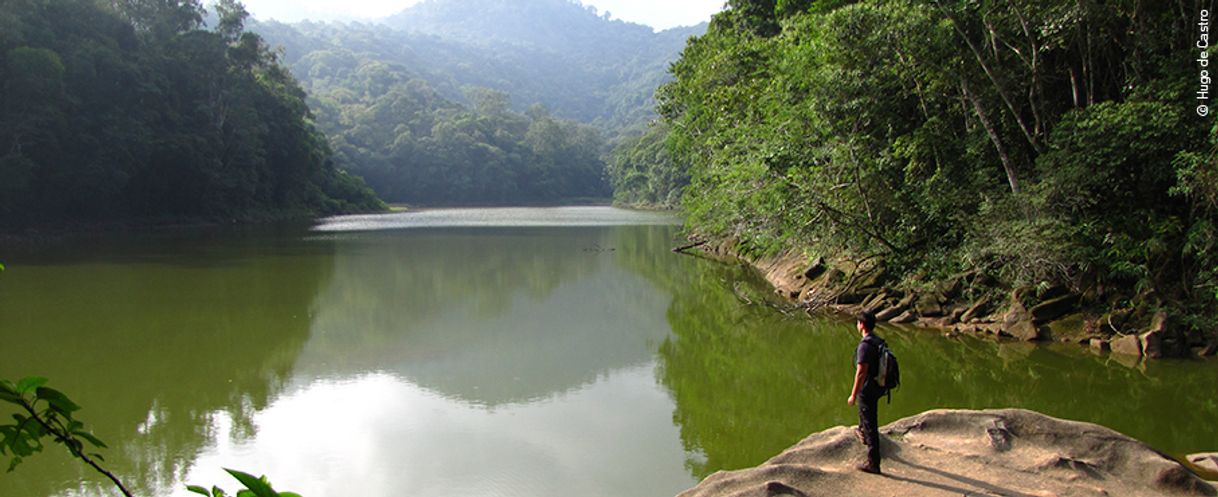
878	342
874	341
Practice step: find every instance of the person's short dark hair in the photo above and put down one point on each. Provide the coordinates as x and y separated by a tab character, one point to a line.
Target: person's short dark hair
868	320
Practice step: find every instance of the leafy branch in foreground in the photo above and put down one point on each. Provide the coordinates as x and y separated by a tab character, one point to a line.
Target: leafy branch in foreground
254	487
46	412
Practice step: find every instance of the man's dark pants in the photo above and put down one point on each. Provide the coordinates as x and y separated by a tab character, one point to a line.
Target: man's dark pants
869	406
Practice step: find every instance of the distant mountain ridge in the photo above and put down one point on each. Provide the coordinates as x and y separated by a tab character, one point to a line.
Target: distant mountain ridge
579	64
566	25
616	65
479	101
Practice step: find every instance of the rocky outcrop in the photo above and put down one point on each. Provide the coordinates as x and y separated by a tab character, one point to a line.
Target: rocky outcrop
850	287
952	453
1127	345
1163	339
1210	349
1155	340
1020	324
1159	340
1053	308
976	310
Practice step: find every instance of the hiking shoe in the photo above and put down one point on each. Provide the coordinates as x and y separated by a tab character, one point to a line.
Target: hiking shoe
867	468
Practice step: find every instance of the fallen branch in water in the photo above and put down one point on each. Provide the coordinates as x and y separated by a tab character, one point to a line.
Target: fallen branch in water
683	248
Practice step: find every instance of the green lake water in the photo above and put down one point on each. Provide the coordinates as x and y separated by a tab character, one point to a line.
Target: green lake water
489	352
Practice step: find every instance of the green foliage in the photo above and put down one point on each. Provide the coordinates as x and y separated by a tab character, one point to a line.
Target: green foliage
254	487
43	413
1039	141
232	16
416	146
1197	187
642	170
1115	159
756	17
480	101
800	136
128	110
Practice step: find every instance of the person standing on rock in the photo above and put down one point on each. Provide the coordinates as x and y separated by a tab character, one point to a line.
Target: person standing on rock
866	393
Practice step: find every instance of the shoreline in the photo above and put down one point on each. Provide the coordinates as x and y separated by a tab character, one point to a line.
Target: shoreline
27	239
56	230
814	284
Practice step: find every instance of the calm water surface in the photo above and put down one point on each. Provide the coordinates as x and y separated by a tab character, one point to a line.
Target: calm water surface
491	352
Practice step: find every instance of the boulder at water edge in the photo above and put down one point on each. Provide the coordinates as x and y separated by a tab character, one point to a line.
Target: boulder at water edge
952	453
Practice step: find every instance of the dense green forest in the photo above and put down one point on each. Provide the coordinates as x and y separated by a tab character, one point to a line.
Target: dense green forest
413	144
164	110
642	171
131	110
454	102
1037	142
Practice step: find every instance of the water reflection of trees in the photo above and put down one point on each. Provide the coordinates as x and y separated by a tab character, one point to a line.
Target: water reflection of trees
749	382
488	316
156	346
156	339
389	275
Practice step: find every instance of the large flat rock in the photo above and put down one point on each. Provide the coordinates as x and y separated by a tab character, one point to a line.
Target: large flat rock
1010	452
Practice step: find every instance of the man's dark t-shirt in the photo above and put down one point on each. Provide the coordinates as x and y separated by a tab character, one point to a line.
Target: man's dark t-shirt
868	353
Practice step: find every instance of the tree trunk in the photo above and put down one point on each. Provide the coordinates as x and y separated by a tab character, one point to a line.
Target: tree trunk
1076	92
989	72
994	138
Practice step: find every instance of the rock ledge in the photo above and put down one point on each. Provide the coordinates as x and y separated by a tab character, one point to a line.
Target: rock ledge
1010	452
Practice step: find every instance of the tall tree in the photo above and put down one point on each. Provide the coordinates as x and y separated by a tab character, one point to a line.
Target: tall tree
129	110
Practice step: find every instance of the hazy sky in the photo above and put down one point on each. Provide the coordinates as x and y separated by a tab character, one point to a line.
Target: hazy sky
660	14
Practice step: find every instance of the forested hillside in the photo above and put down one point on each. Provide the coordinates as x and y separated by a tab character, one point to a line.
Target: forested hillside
569	57
457	102
131	110
1035	143
388	123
